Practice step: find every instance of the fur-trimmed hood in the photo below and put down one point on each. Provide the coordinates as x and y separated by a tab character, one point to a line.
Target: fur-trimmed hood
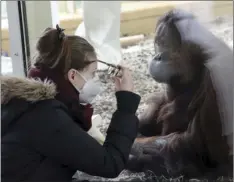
25	88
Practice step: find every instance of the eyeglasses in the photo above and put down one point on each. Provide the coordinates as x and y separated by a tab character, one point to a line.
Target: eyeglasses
115	70
112	70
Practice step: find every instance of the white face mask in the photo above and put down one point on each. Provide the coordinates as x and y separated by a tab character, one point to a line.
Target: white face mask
90	90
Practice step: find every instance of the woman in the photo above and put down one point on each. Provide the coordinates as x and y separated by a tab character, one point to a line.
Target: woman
44	125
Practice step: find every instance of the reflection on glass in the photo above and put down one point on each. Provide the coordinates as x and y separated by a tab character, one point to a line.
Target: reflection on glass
68	8
138	17
6	62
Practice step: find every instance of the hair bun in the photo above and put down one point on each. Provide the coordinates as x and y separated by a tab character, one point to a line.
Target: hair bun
60	31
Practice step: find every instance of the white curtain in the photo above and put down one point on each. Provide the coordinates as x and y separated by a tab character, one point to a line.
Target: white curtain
101	27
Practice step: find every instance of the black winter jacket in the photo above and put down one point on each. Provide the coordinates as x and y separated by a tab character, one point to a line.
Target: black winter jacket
40	141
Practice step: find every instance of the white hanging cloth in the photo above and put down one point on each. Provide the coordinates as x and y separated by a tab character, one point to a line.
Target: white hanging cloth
220	66
101	27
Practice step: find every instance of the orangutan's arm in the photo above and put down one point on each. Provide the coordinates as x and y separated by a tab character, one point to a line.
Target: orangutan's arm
148	125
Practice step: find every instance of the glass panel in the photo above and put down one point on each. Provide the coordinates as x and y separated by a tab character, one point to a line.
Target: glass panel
6	62
138	18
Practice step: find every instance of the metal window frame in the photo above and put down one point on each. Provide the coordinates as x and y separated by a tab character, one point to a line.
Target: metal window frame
18	37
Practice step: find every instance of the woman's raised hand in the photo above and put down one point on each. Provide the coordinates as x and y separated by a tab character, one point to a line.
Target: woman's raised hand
125	82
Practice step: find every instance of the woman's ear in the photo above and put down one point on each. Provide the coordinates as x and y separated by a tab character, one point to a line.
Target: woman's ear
71	74
75	79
